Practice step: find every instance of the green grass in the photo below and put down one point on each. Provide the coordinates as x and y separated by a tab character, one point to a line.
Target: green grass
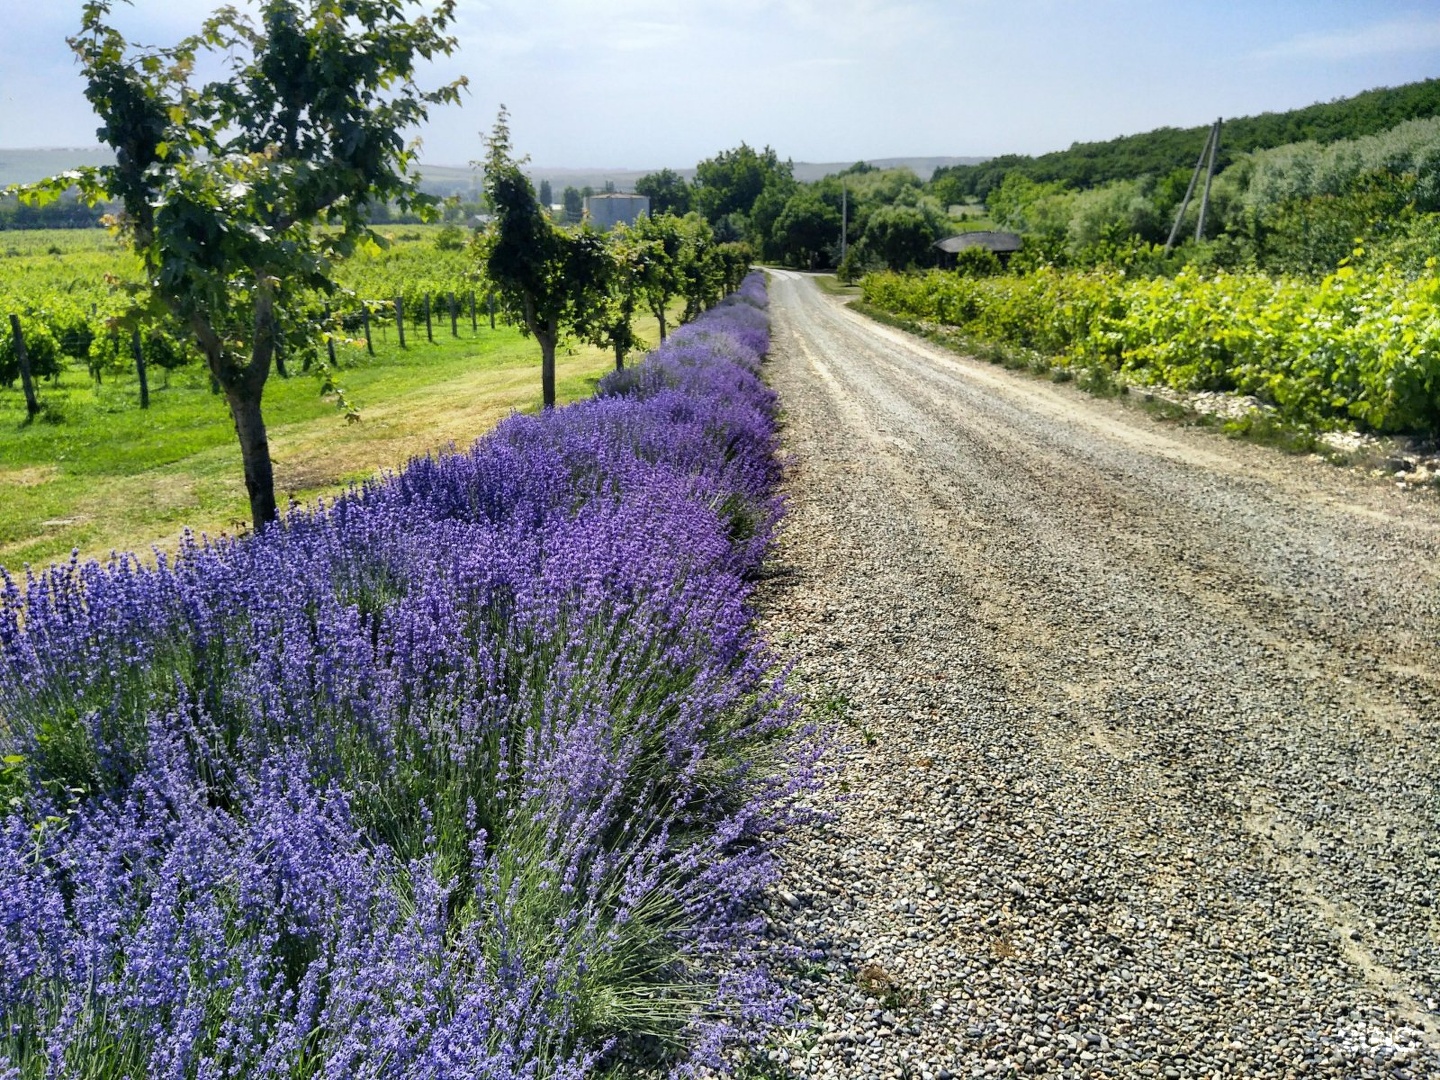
96	473
829	283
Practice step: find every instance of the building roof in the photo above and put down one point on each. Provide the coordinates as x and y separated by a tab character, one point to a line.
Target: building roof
990	241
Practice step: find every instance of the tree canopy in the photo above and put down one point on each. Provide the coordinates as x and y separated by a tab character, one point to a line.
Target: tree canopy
549	280
667	191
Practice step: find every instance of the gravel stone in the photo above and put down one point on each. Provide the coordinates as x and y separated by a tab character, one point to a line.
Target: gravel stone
1135	739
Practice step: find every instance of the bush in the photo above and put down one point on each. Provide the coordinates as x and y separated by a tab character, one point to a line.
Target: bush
978	262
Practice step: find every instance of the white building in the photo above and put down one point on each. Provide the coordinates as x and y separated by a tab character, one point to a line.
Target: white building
604	212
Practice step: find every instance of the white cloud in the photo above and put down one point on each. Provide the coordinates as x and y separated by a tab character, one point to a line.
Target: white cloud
1394	36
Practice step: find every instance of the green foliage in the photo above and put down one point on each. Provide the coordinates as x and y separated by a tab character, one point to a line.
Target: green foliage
1360	346
1159	152
450	238
667	191
574	204
977	262
733	180
40	346
239	194
904	236
550	281
806	230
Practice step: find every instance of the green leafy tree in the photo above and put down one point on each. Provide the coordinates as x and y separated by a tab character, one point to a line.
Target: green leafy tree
902	236
667	191
546	195
701	273
661	278
732	180
807	228
239	195
549	280
610	322
574	204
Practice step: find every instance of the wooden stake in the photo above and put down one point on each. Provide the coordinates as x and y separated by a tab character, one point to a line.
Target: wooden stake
22	355
140	368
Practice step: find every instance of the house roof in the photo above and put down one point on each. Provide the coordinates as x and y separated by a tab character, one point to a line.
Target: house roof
990	241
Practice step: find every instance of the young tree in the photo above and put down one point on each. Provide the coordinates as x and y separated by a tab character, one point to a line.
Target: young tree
239	194
546	195
611	321
660	274
549	280
701	273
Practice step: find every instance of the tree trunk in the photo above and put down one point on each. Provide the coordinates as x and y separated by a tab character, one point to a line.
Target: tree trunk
32	406
660	315
255	452
619	356
140	368
547	341
243	385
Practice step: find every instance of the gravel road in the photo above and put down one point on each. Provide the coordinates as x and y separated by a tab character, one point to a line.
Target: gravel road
1140	762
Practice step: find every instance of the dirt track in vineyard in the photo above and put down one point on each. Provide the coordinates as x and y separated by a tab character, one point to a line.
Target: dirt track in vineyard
1142	765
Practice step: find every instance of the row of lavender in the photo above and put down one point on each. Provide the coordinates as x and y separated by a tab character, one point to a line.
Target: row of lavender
466	775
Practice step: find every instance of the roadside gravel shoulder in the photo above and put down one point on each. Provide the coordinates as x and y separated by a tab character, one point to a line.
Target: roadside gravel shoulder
1139	770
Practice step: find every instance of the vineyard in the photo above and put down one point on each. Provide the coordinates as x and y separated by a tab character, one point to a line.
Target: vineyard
465	774
69	291
98	473
1359	347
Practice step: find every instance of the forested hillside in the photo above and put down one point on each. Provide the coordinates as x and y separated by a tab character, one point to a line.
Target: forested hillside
1160	151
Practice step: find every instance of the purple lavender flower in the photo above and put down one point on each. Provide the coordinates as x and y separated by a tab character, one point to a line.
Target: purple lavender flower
470	772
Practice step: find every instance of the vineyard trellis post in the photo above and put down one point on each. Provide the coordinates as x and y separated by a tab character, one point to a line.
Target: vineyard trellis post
490	303
454	318
474	326
139	354
429	331
22	357
365	321
400	318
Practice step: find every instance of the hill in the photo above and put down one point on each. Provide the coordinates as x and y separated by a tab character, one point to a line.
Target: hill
465	181
22	166
1160	152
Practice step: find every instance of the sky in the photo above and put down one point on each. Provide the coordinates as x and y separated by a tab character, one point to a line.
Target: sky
638	84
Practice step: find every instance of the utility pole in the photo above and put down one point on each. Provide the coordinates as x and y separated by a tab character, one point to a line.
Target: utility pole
1211	142
1210	175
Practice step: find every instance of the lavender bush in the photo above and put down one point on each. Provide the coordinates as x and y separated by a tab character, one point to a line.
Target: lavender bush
468	774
